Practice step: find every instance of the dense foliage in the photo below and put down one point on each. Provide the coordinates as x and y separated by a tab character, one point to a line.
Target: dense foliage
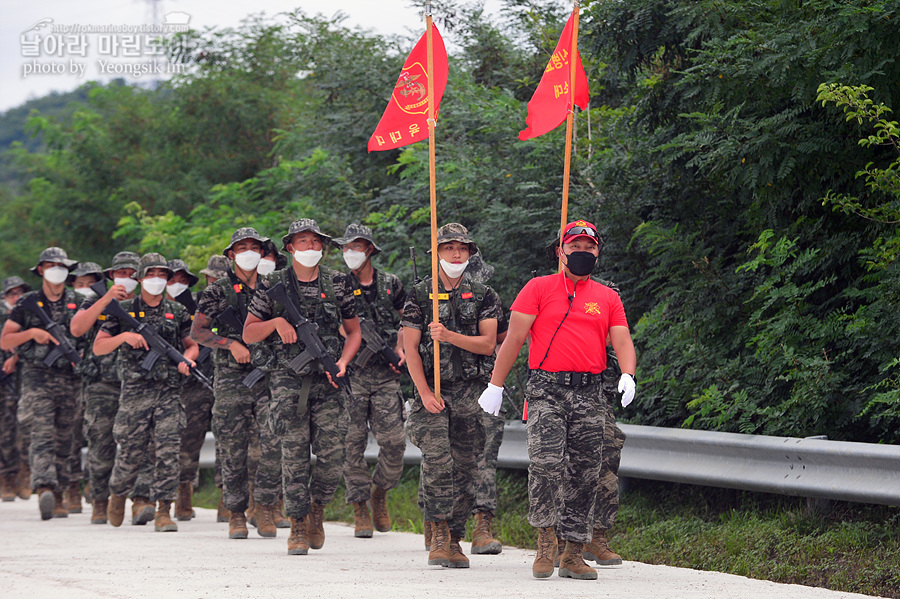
750	211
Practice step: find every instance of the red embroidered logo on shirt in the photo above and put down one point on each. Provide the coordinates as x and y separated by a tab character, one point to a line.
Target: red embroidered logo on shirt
592	308
238	287
170	316
71	306
466	295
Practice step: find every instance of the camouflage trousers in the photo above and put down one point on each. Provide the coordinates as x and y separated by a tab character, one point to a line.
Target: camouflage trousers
101	402
76	471
47	408
150	415
378	406
565	439
321	426
606	506
486	484
198	403
12	454
451	442
240	417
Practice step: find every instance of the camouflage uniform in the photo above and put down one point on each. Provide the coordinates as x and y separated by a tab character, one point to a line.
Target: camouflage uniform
306	411
12	452
606	506
150	410
451	440
376	389
240	414
48	399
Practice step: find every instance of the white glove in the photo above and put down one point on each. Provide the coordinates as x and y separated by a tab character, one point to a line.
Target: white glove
491	399
626	388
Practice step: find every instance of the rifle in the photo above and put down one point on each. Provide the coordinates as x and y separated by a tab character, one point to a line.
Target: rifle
65	347
307	333
412	255
374	345
186	299
230	317
158	345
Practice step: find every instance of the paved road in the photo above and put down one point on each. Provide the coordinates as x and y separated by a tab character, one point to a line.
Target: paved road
71	559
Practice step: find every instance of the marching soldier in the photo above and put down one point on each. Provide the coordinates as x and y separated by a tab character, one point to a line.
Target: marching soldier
48	400
15	476
376	384
307	410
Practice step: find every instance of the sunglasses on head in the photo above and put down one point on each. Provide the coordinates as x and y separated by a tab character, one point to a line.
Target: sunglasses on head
582	231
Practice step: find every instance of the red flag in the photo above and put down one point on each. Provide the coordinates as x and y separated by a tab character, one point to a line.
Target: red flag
405	119
550	103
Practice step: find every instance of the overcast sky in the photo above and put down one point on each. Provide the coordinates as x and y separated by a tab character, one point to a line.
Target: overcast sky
57	62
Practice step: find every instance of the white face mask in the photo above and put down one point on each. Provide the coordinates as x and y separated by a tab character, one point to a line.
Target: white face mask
154	285
6	303
86	292
454	270
248	260
265	267
308	258
56	274
174	289
354	259
127	282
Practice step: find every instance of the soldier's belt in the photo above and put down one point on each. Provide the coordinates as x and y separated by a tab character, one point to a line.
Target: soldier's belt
568	379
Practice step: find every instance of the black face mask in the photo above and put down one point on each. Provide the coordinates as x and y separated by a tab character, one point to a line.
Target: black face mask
581	263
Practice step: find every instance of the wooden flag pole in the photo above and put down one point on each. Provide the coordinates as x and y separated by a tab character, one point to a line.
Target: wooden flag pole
570	121
435	316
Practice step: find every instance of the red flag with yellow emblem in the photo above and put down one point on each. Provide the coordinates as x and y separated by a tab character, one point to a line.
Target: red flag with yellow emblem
550	104
405	120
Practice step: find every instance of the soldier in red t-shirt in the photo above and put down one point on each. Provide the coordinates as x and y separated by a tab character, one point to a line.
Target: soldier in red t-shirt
570	319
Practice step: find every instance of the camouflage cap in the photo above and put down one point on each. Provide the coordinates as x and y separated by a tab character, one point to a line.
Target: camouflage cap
244	233
55	254
217	267
301	225
281	260
356	231
10	283
151	260
175	265
86	268
122	260
456	232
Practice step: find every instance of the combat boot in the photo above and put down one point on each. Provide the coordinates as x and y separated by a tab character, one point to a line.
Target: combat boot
237	526
142	511
427	527
98	511
116	510
315	525
265	521
8	487
298	544
547	547
222	513
46	502
23	480
483	541
362	523
598	550
439	554
162	521
251	506
380	516
73	498
185	497
457	558
281	521
59	509
571	563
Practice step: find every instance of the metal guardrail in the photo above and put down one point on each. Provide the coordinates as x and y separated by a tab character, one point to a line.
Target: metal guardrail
815	468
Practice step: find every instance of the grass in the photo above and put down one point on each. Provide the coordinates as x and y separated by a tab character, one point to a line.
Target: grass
848	547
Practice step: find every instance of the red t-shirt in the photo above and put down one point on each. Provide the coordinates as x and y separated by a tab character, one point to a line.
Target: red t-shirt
580	344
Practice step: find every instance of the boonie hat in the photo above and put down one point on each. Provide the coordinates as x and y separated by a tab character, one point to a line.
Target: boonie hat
122	260
85	268
244	233
301	225
175	265
456	232
152	260
217	267
281	260
10	283
55	254
356	231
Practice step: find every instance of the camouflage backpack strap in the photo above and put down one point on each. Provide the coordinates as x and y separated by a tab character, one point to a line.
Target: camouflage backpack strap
384	297
362	306
326	285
